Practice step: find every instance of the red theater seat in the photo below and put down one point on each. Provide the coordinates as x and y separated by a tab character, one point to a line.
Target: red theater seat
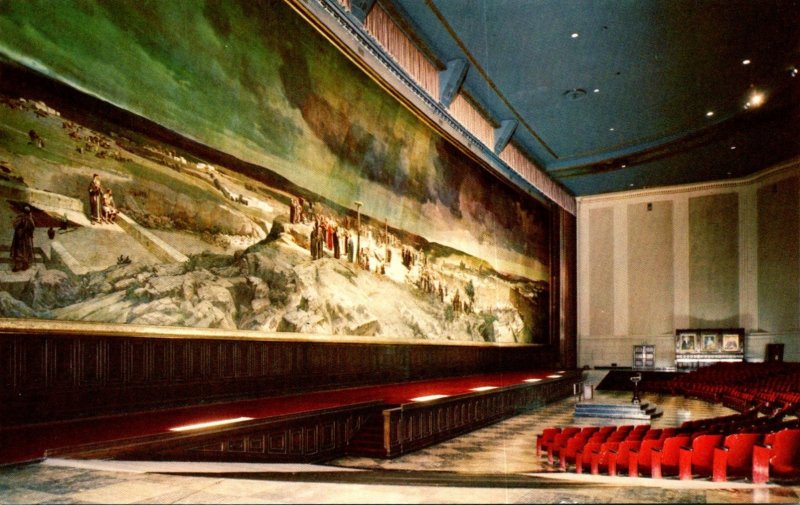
560	441
601	458
698	458
584	457
618	459
641	459
735	458
567	454
665	459
545	438
781	460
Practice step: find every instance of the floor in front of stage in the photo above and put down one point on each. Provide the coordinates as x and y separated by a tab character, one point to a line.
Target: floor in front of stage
496	464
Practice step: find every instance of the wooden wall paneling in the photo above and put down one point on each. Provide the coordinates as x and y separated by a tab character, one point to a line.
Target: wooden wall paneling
91	357
116	361
62	361
31	364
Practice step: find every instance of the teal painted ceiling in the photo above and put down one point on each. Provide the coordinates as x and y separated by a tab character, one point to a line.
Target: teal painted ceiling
614	95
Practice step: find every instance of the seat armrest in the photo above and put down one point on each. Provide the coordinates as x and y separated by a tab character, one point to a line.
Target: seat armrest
685	463
719	465
761	456
655	463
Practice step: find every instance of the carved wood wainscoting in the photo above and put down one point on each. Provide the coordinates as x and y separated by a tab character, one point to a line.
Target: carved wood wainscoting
300	438
54	371
412	426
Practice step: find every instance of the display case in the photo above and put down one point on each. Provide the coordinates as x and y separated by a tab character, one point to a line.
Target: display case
695	347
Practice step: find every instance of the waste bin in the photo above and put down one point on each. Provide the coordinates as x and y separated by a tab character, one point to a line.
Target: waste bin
588	391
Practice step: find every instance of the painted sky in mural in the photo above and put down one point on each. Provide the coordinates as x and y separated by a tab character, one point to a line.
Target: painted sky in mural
274	126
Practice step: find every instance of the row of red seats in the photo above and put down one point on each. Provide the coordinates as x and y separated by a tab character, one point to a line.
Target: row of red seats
758	380
658	453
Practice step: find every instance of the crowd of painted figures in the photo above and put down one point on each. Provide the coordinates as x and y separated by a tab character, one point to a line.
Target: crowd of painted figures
373	252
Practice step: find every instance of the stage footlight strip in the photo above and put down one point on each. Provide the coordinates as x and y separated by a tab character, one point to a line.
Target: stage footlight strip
427	398
210	424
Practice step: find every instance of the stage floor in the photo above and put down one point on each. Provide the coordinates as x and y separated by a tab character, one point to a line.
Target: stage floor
496	464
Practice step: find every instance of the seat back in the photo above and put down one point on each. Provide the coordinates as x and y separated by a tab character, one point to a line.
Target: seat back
624	452
560	440
606	431
671	453
645	455
703	452
653	433
740	453
588	450
605	449
785	459
668	432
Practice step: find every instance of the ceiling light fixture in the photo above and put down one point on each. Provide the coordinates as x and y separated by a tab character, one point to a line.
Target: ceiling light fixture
574	94
733	147
611	129
597	90
745	62
575	35
709	113
793	72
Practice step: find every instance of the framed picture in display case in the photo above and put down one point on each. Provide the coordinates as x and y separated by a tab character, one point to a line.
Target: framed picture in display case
711	342
686	342
731	342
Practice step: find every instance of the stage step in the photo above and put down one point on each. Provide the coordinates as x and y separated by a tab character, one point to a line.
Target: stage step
369	440
644	410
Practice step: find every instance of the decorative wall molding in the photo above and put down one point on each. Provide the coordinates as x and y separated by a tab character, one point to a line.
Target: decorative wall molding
766	176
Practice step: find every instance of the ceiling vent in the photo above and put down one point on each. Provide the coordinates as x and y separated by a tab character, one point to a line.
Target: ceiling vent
574	94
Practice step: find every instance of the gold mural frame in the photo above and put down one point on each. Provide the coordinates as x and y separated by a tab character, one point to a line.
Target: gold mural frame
11	326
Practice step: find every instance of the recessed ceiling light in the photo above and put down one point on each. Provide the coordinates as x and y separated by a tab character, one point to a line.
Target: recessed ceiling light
611	129
709	113
575	35
624	165
631	184
597	90
793	72
756	99
745	62
733	147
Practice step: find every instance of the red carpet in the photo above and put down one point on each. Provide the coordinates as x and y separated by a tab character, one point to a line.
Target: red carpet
29	443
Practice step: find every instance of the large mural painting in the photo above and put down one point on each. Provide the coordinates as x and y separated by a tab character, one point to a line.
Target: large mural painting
219	164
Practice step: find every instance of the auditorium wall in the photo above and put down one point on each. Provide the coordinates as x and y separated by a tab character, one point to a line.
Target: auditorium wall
715	255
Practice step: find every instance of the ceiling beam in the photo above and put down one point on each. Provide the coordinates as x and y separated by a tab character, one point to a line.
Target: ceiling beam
360	9
503	134
451	79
